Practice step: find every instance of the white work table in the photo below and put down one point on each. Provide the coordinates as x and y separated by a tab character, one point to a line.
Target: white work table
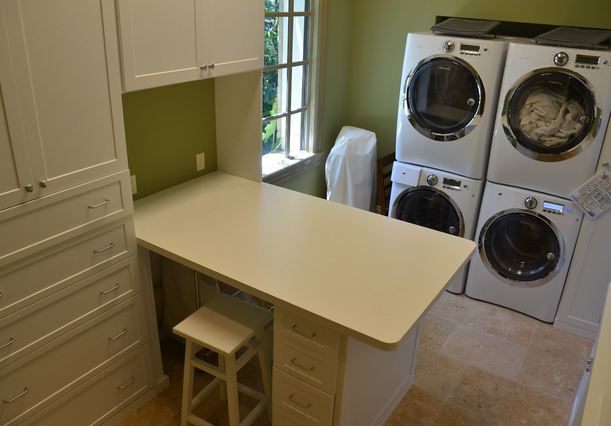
363	275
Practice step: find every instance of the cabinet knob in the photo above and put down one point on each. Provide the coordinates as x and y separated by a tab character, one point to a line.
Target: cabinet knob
29	187
211	66
43	183
203	67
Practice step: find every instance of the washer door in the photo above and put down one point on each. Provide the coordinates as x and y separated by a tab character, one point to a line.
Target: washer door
551	115
523	247
444	98
430	208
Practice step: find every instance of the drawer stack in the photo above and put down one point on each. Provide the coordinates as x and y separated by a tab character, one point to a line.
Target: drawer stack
306	360
72	321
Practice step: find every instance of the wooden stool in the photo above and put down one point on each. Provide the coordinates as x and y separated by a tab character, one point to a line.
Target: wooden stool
225	325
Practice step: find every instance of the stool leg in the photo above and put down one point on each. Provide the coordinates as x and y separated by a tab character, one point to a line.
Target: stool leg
187	383
264	366
231	373
222	385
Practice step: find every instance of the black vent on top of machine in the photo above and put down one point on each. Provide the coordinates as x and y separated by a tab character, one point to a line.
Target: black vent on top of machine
466	27
576	37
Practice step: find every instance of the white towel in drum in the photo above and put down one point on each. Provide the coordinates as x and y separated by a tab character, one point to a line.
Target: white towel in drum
548	118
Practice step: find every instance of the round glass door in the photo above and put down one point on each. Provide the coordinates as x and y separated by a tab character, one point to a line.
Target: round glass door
430	208
550	115
444	98
521	246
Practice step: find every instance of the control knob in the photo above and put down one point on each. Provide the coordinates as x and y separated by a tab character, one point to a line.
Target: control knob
448	46
432	180
530	202
561	59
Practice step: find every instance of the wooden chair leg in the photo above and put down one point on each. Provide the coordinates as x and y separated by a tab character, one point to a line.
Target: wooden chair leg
187	383
232	390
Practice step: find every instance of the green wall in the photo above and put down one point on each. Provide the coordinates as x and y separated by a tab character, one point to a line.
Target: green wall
164	128
378	36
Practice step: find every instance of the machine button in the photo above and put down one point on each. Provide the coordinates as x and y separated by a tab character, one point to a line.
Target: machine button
561	59
448	46
530	202
432	180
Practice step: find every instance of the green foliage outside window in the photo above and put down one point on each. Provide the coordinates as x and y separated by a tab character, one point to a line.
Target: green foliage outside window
271	140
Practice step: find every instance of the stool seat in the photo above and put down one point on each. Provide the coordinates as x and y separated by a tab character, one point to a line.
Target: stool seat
214	330
225	325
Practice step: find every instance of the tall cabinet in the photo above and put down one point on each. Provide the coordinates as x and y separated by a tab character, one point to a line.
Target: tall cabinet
74	323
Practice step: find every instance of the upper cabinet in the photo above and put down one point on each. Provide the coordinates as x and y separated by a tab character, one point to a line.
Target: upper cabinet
172	41
61	119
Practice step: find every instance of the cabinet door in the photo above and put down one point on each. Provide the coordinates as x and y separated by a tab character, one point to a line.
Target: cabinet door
65	62
230	35
158	42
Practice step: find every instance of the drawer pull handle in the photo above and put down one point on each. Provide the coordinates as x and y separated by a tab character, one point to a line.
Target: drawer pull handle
129	382
303	333
15	398
7	344
102	250
123	333
110	290
97	206
301	366
299	404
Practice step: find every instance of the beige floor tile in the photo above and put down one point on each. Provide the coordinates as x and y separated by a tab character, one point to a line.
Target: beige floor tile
435	331
455	415
416	408
437	374
480	392
486	351
512	326
459	309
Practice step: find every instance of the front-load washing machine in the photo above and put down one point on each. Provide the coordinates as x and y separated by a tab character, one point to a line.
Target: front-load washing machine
525	241
449	94
437	200
554	105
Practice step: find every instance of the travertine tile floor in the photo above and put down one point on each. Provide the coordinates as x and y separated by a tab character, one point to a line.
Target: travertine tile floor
478	364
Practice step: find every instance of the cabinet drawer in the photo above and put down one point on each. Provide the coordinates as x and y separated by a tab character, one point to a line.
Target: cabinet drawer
300	361
33	226
282	416
308	332
302	400
61	365
102	396
26	282
31	327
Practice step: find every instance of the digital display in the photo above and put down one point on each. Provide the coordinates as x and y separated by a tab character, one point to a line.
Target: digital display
559	208
587	60
452	183
469	47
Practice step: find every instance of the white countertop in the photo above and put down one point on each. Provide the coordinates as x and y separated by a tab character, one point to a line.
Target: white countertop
597	411
369	276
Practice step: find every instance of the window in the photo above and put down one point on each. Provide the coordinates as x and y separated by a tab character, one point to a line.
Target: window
286	125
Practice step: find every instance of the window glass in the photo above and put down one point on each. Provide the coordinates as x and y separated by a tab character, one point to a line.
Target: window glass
443	96
276	51
521	247
551	112
300	38
274	92
275	6
273	136
427	207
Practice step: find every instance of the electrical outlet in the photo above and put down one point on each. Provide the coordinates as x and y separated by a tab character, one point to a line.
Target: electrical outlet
200	161
134	185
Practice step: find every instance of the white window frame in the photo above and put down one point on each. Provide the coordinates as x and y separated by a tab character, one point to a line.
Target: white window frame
286	165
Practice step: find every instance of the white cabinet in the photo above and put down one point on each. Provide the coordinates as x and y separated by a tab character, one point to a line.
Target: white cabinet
165	42
60	86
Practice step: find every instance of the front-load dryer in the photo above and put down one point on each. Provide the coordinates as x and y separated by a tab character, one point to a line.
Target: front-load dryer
448	98
554	105
437	200
525	241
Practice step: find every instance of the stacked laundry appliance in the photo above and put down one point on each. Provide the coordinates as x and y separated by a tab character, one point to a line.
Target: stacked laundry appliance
448	99
554	105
